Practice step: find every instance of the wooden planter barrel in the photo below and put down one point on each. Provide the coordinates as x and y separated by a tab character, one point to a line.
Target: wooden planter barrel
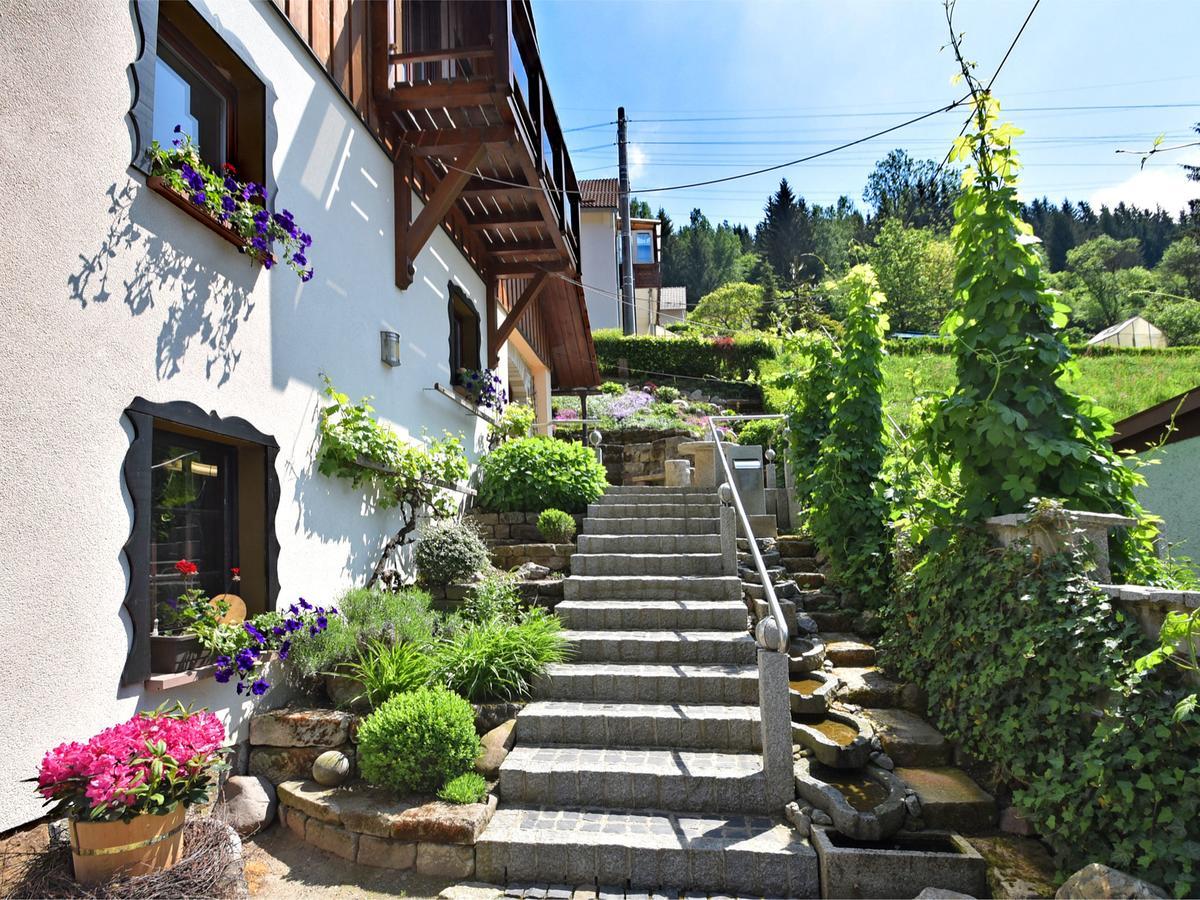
144	844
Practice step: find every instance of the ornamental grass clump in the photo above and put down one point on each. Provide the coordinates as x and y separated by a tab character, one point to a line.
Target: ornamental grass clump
466	788
417	741
150	764
236	204
497	660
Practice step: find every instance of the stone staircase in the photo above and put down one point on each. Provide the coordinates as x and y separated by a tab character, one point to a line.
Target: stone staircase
637	768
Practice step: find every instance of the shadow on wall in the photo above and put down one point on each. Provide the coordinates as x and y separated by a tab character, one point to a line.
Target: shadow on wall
206	307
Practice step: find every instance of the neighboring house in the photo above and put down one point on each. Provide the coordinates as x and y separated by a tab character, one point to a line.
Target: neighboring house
1134	332
1172	488
600	247
672	306
416	141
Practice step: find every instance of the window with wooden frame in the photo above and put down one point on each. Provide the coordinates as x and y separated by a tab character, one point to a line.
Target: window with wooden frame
204	489
464	334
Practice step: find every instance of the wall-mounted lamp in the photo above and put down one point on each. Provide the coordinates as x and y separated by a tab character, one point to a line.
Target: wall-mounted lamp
389	348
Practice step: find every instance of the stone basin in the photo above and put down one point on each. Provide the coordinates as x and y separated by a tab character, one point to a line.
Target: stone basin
811	693
805	655
837	739
903	865
867	805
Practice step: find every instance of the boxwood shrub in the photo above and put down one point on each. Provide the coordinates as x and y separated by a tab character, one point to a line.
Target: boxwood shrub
537	473
556	526
418	741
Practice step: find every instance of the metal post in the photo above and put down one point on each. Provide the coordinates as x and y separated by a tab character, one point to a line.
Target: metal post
628	309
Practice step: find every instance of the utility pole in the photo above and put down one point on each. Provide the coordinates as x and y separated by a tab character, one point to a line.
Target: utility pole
628	310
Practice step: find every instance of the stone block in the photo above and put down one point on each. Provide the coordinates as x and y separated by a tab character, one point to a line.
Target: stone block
950	799
294	820
1100	881
446	860
908	739
512	518
1012	822
904	867
332	839
386	854
300	728
311	799
495	746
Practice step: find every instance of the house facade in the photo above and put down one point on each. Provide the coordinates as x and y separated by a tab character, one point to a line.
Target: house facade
163	389
600	247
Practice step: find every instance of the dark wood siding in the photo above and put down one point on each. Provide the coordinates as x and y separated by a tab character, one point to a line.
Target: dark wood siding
337	33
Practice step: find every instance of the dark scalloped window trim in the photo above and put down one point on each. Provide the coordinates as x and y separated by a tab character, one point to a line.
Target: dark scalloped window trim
143	414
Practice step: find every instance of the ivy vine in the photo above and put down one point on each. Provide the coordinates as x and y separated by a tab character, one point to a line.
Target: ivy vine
811	383
356	446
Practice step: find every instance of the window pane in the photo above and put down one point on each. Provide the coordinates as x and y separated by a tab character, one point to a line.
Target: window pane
183	98
645	251
192	518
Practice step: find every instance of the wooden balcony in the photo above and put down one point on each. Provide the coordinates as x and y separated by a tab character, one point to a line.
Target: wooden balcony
457	91
647	275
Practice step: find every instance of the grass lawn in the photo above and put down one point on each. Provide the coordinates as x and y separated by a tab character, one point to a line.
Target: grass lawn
1124	384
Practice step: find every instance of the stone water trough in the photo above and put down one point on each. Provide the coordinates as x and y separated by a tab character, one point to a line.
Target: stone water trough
805	655
812	692
902	866
867	805
837	738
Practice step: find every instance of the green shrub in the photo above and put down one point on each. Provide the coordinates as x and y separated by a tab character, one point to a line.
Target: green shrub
1028	666
734	358
367	614
418	741
515	422
612	387
495	660
466	788
386	670
666	394
449	551
556	526
493	597
766	433
536	473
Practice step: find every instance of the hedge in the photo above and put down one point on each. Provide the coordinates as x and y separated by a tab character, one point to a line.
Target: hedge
920	346
735	358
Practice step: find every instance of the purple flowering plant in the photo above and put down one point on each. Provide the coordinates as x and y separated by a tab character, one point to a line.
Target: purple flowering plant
248	645
237	204
485	388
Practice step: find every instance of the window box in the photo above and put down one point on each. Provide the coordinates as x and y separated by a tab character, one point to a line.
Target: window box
173	653
160	187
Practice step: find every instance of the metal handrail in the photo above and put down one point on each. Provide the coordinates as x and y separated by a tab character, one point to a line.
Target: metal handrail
780	641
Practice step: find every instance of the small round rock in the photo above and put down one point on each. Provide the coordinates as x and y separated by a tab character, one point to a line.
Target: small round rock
331	768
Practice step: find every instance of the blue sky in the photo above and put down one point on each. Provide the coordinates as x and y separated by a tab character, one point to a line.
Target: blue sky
810	74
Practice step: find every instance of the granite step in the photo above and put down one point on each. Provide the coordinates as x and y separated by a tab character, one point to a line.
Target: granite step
836	620
740	855
908	739
809	580
622	778
652	587
654	510
652	525
648	563
662	646
800	563
795	546
770	559
784	590
649	615
847	649
649	543
676	496
651	490
867	686
635	683
950	799
641	725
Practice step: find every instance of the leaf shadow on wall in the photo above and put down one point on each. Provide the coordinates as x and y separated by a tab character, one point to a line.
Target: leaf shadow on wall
201	305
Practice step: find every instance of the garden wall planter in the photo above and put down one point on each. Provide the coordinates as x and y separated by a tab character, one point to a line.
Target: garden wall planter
140	846
811	693
866	805
171	653
837	739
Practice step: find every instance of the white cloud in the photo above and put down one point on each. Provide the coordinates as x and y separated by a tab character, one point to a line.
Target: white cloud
1163	185
637	162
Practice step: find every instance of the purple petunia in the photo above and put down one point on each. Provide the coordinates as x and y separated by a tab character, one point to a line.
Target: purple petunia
284	649
228	203
299	259
199	198
178	129
306	275
258	636
268	262
259	687
304	604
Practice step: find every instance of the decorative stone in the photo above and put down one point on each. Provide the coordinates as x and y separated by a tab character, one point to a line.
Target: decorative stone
883	761
531	571
331	768
386	854
933	893
490	715
1104	883
279	764
913	804
820	817
300	728
249	803
495	746
446	860
1012	822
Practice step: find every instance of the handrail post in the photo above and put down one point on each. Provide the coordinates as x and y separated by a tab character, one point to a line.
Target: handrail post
728	530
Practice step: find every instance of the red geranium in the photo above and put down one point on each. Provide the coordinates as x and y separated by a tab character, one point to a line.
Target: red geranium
186	568
236	570
228	167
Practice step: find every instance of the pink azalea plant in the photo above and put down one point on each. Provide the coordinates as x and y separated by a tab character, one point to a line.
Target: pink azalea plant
149	764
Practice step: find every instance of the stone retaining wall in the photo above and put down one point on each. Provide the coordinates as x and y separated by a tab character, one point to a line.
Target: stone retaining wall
284	743
370	826
630	457
498	529
555	557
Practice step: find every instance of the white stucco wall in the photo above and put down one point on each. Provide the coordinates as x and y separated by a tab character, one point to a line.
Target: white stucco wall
598	261
108	292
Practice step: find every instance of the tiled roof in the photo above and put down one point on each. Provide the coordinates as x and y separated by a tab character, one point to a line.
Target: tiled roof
600	193
672	298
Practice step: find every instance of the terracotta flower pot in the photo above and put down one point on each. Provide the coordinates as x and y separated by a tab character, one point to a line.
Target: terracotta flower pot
140	846
171	653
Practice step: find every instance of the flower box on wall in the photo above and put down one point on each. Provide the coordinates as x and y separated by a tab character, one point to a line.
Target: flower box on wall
172	653
160	187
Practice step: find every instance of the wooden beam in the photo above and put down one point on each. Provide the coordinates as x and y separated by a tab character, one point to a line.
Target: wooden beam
499	190
402	191
493	297
438	94
517	217
527	269
440	202
419	56
518	309
531	249
452	141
